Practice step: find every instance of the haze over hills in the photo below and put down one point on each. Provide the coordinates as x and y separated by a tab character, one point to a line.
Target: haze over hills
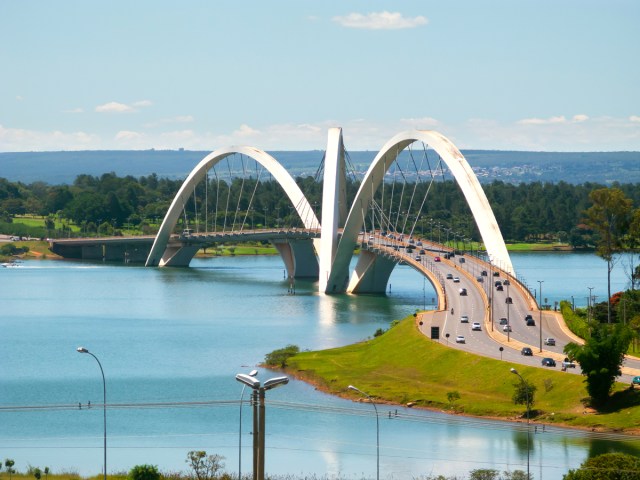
513	167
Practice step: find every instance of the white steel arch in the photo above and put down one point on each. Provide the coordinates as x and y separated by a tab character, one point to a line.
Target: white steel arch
285	180
466	179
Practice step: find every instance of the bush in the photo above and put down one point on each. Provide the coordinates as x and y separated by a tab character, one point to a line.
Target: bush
278	358
144	472
576	322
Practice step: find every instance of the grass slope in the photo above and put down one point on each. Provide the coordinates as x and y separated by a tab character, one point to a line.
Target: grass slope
403	366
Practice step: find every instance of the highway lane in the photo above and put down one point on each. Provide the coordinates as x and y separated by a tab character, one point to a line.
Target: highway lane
480	290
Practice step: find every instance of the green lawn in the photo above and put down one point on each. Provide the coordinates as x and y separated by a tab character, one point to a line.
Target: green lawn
403	366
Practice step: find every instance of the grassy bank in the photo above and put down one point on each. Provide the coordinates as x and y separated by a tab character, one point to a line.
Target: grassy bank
402	366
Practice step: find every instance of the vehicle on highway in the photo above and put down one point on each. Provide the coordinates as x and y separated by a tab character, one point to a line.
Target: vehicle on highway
480	279
483	273
463	292
497	283
548	362
418	258
550	341
449	276
436	259
499	288
464	319
461	260
503	321
526	351
506	282
460	339
476	326
531	322
422	251
506	328
496	274
509	300
635	381
528	317
456	279
568	364
419	244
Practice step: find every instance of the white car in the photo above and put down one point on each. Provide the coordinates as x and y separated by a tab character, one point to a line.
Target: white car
456	279
476	326
550	341
464	319
506	328
460	339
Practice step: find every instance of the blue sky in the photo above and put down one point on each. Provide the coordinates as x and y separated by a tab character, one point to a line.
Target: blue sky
561	75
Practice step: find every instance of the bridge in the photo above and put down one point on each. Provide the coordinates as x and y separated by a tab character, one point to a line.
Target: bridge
381	222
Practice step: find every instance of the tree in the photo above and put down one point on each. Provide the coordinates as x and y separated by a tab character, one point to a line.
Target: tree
483	474
609	217
37	473
46	472
601	358
608	466
204	466
9	463
280	356
144	472
522	389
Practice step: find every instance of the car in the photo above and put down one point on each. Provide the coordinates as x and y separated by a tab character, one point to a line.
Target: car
476	326
568	364
480	279
460	339
531	322
526	351
483	273
506	282
463	292
506	328
464	319
635	381
436	259
548	362
496	274
422	251
461	260
503	321
497	283
509	300
550	341
449	276
499	288
418	258
528	317
419	244
456	279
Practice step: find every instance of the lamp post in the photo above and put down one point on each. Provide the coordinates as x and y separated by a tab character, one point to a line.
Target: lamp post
104	405
252	373
515	372
540	282
351	387
259	416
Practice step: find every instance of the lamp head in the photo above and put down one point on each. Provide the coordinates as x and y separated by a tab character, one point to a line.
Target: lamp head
253	373
275	382
514	371
248	380
82	350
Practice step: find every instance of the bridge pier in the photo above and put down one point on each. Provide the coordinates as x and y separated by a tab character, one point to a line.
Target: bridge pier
179	255
299	257
371	274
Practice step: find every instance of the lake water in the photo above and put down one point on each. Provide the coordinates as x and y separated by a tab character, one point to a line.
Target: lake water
170	340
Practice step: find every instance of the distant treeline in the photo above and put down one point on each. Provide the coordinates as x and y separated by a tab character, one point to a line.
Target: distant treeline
525	212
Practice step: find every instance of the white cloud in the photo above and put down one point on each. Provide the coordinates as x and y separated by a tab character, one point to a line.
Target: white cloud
580	118
420	123
127	136
184	119
380	21
19	98
142	103
246	131
114	107
634	118
171	120
543	121
74	110
21	140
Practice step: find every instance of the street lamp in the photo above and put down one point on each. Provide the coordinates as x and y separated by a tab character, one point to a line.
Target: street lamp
104	405
351	387
515	372
259	416
540	282
252	373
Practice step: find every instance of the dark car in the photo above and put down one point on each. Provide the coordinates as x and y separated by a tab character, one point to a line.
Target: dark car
496	274
506	282
635	381
483	273
548	362
526	351
531	322
509	300
499	288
